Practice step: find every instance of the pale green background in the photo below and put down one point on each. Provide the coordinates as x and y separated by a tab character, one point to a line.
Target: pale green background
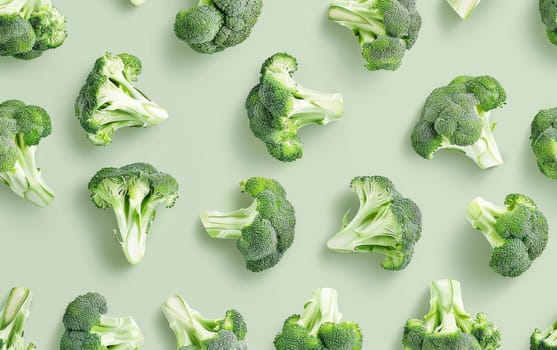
68	248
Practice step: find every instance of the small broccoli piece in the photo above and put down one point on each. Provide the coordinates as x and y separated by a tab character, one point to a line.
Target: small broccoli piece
386	222
134	192
214	25
21	129
319	327
87	327
385	28
548	12
456	117
448	326
517	232
13	315
109	100
30	27
463	8
544	141
278	106
544	339
194	332
263	231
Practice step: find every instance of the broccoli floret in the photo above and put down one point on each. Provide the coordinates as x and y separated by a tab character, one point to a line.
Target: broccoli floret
278	106
385	28
517	232
13	315
87	327
109	100
194	332
21	129
448	326
463	7
456	117
319	327
263	231
214	25
548	12
544	339
386	222
134	192
544	141
30	27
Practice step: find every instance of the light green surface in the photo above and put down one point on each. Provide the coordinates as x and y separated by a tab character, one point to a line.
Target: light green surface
68	248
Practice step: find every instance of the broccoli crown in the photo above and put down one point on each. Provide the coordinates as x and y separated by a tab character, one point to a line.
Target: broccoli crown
194	332
133	192
88	328
22	127
544	141
384	28
456	117
319	327
278	106
544	339
30	27
448	326
548	12
109	100
264	230
386	222
215	25
517	232
13	315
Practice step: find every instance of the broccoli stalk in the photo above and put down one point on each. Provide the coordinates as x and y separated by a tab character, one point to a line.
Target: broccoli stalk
321	308
115	331
138	2
544	339
484	215
228	225
12	319
463	7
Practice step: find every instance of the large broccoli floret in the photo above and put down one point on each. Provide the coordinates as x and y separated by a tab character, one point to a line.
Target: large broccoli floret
109	100
319	327
195	332
134	192
214	25
448	326
30	27
548	12
386	222
463	7
544	339
278	106
13	315
517	232
544	141
385	28
263	231
87	327
456	117
21	129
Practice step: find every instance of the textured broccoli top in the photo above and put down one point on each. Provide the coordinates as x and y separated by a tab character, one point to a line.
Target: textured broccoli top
319	327
195	332
133	192
544	339
278	106
109	100
264	230
13	315
544	141
456	117
548	12
30	27
386	222
448	326
214	25
384	28
22	127
517	232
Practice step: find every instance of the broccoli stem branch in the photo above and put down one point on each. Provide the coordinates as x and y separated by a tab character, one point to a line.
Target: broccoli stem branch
359	16
13	317
132	230
183	320
121	333
463	7
483	215
321	308
446	313
314	107
228	225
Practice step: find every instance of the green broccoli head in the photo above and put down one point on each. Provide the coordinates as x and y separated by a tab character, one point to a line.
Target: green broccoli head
278	106
385	222
133	192
548	12
263	231
22	128
319	327
13	315
87	327
456	117
384	28
109	100
215	25
448	326
30	27
543	138
517	232
544	339
195	332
